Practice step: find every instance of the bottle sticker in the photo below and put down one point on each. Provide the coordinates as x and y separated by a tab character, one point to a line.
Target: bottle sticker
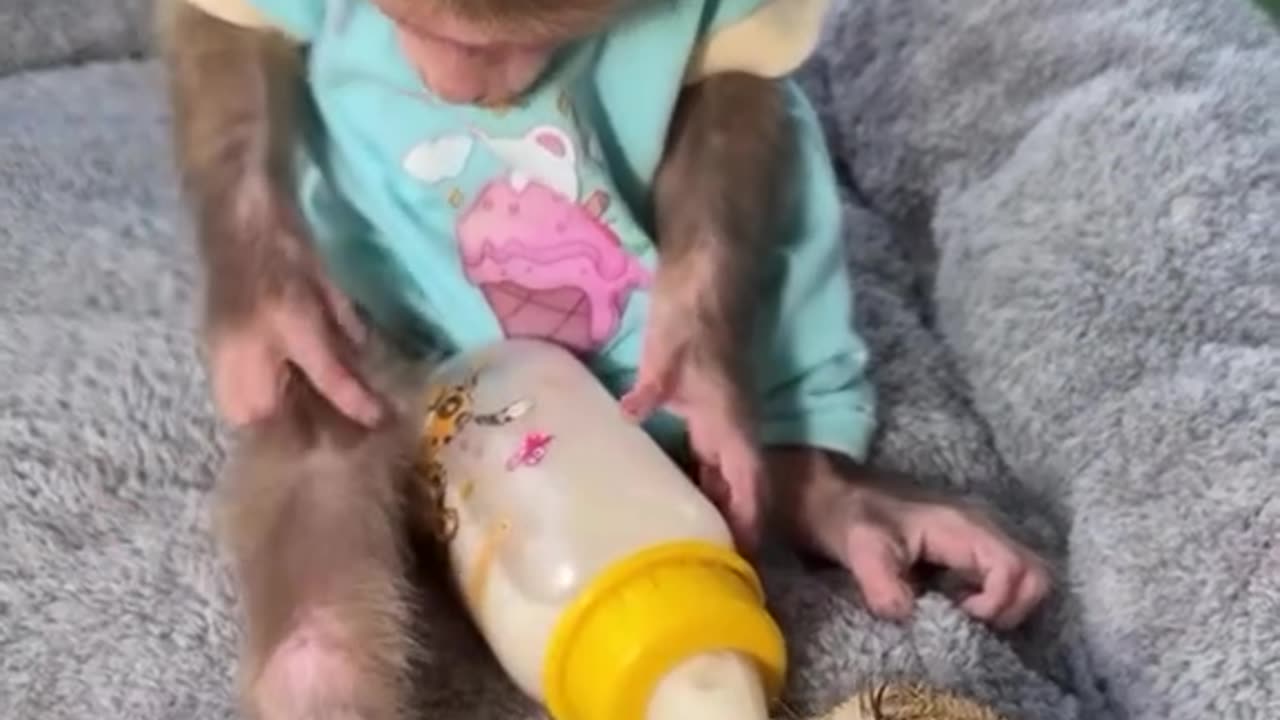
533	448
450	410
512	412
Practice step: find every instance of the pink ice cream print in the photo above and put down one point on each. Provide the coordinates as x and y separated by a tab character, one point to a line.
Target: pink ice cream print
546	263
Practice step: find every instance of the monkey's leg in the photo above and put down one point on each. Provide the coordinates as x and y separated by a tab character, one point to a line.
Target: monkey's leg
313	518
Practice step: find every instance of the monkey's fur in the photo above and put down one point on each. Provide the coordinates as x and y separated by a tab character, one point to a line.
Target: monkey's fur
328	534
319	513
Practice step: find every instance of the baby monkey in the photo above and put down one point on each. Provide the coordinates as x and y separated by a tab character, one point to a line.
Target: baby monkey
637	181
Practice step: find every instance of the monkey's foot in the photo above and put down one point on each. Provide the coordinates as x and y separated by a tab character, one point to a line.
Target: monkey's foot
316	674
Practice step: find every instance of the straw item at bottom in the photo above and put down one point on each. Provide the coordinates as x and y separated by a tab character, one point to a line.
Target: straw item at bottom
909	702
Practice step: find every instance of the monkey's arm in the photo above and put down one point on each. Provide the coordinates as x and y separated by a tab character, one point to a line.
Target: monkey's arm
269	309
780	207
233	93
717	192
718	199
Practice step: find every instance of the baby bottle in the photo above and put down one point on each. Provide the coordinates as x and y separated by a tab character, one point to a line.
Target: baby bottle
605	583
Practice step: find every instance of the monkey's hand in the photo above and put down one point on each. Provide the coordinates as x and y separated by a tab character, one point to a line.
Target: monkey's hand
271	308
690	366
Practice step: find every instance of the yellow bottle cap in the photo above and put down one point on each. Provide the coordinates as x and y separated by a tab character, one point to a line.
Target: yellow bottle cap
646	614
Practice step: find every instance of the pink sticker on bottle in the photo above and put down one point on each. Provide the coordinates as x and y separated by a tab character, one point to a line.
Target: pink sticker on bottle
533	448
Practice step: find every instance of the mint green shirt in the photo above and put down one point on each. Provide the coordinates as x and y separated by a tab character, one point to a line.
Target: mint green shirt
460	225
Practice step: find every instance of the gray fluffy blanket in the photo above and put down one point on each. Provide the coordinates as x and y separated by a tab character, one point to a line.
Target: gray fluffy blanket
1064	218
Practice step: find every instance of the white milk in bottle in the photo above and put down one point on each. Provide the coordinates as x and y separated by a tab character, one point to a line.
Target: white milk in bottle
605	583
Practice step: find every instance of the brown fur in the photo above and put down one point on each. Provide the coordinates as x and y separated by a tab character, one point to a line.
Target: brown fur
233	91
715	198
313	514
316	512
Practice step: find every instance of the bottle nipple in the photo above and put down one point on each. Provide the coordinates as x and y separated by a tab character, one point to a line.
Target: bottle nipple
710	686
675	632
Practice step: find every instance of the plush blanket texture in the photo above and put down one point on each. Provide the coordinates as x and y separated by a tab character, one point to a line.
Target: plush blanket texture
1063	218
46	33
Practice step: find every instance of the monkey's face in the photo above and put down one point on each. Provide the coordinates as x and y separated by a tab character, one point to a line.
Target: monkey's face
488	51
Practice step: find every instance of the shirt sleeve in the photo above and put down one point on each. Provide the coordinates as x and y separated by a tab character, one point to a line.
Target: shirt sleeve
769	38
814	388
300	19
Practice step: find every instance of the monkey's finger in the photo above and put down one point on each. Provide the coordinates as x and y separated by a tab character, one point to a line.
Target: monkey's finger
745	520
1031	591
658	372
311	349
245	380
878	562
998	593
702	439
718	437
642	401
713	428
745	529
344	314
714	486
729	448
732	475
652	389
